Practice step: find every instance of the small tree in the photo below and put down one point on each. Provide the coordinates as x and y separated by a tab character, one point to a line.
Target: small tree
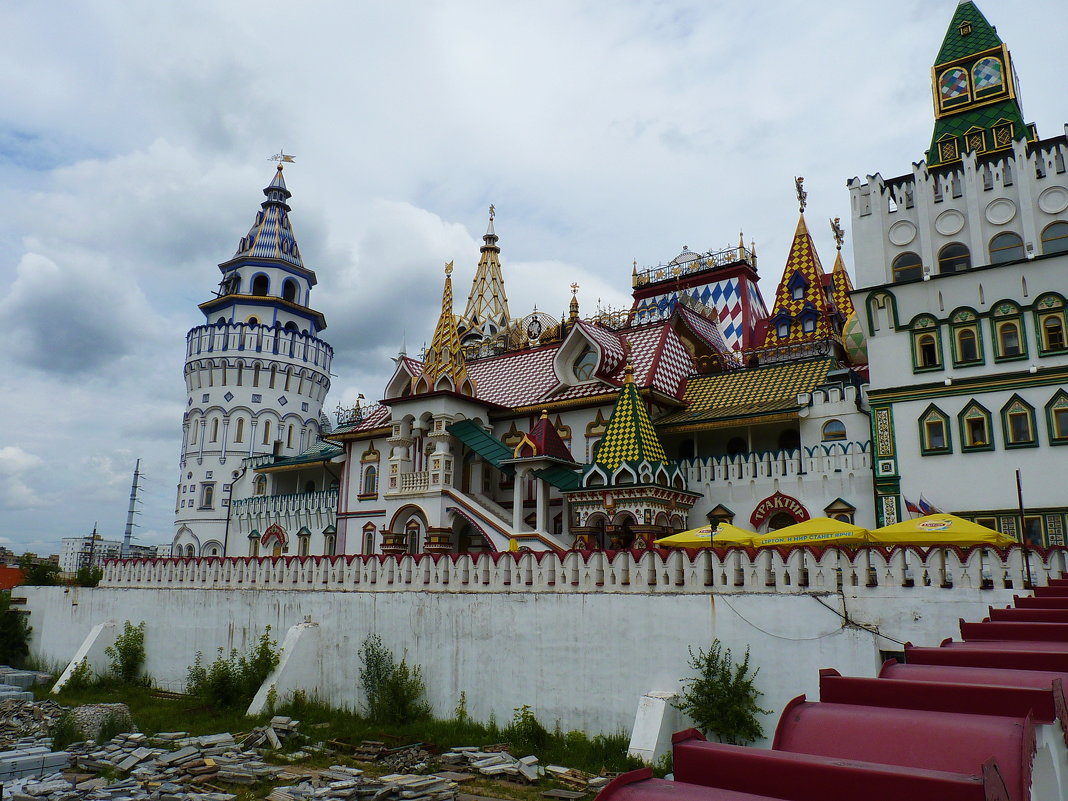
722	698
376	668
127	656
88	576
38	574
14	633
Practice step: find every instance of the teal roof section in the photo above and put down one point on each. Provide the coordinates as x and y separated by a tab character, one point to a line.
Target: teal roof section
485	445
321	451
982	35
560	477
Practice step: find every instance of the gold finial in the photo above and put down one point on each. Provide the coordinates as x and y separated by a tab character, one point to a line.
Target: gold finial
448	268
281	156
544	414
628	374
493	211
802	195
635	270
836	229
574	302
574	289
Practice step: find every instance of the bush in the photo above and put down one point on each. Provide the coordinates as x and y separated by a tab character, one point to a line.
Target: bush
88	576
14	634
233	681
393	693
722	698
82	677
527	732
127	655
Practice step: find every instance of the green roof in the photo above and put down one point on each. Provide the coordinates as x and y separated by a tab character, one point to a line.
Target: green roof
560	477
321	451
983	35
630	436
485	445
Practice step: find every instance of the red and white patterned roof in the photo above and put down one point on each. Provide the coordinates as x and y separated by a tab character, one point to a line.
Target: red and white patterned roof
526	377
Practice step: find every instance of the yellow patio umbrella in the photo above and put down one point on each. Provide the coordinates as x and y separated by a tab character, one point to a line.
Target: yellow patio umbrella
815	531
939	529
708	537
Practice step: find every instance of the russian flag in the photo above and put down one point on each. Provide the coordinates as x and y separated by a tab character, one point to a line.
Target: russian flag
913	508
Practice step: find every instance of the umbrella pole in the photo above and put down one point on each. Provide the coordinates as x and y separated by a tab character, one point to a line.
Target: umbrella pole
1023	532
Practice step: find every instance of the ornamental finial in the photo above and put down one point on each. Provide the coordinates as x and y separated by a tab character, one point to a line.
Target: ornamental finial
448	268
802	195
836	229
281	156
574	289
493	211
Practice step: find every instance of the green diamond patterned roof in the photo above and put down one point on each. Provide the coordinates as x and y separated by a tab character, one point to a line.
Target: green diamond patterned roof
630	436
982	37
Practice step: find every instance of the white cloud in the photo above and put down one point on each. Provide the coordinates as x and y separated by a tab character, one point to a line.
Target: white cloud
134	140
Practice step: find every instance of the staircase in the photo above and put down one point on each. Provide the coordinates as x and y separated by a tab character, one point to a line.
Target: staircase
979	719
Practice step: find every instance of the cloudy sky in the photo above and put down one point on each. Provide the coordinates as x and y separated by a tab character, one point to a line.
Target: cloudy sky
134	143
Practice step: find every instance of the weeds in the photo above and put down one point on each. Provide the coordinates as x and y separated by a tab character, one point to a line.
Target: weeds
65	731
393	693
82	677
233	681
127	655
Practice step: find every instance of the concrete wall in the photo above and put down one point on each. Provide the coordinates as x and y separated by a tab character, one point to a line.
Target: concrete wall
583	658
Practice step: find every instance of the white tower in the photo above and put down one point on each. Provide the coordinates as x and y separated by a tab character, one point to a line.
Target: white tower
256	374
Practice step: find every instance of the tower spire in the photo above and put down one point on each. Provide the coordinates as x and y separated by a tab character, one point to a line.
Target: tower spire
271	235
977	109
486	313
445	356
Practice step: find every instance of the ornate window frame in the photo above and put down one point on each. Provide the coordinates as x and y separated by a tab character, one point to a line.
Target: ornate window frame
931	415
1005	314
969	443
1057	405
1050	308
964	321
964	252
1015	408
922	327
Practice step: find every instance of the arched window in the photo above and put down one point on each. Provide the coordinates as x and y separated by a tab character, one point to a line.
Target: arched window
329	542
369	538
266	432
260	485
274	375
967	345
954	258
953	86
1057	418
303	544
585	365
190	551
1005	247
193	434
255	375
1055	238
289	290
808	324
290	326
1052	332
215	430
411	531
986	75
1008	339
834	430
260	285
927	351
370	480
907	267
289	436
239	431
782	328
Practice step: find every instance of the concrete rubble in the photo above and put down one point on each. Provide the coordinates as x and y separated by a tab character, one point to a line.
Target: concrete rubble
22	721
341	783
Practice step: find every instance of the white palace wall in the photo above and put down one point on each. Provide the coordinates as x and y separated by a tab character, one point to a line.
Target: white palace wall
578	637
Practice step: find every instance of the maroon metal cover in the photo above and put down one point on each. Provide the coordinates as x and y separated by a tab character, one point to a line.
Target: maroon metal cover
915	738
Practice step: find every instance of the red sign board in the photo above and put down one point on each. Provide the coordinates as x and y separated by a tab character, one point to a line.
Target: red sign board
773	505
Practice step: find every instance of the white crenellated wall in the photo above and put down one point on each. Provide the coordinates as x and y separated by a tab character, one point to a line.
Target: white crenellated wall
580	636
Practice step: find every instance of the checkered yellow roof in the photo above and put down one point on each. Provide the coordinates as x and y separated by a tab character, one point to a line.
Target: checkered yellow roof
753	392
841	287
630	436
803	263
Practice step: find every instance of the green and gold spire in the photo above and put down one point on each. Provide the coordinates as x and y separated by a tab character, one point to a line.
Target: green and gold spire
977	108
445	356
630	436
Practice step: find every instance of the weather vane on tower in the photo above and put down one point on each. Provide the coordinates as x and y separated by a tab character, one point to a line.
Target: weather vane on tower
281	157
836	229
493	211
802	195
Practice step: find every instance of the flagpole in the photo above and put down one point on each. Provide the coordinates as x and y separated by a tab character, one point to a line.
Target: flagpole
1023	532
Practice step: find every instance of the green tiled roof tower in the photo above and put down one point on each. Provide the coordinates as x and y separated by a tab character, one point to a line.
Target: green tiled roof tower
630	436
977	107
